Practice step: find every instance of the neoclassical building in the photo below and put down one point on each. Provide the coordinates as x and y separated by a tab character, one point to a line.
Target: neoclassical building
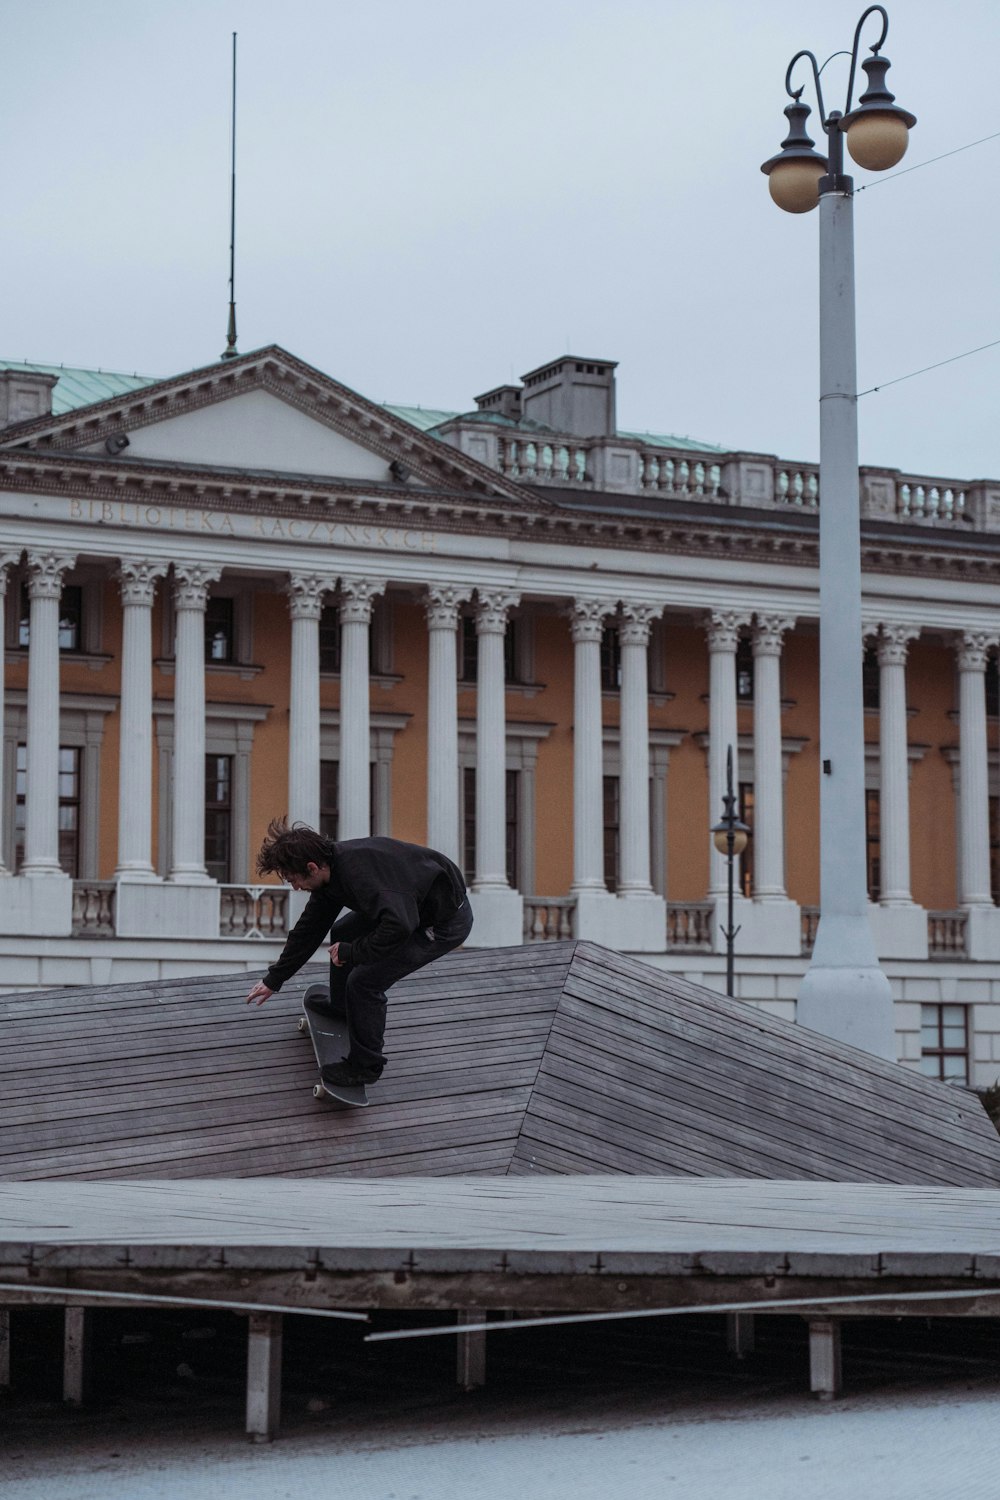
517	633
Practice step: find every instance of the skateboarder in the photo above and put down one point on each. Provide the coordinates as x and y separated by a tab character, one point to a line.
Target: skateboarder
406	906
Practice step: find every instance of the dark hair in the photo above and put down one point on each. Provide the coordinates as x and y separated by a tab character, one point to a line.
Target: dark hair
289	850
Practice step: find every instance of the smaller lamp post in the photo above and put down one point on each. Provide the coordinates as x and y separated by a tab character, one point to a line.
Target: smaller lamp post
730	836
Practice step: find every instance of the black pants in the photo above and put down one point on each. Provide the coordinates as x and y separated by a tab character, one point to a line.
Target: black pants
358	991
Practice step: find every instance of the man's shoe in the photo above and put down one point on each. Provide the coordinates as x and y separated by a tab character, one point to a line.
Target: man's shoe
348	1075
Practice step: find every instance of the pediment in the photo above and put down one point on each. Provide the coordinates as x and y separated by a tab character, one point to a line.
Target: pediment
265	413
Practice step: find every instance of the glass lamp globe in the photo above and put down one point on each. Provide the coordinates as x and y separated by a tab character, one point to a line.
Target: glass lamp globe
794	183
877	139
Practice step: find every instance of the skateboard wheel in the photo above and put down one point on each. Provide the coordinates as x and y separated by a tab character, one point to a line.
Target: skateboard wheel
302	1023
317	1091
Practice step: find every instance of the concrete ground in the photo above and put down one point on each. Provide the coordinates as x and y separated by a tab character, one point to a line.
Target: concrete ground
634	1410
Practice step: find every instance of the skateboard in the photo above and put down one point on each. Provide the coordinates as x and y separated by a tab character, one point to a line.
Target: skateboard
328	1035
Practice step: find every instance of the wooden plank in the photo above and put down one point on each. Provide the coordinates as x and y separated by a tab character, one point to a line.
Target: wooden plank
797	1059
719	1102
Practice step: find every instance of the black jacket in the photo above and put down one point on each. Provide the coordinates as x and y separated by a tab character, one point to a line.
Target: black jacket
398	887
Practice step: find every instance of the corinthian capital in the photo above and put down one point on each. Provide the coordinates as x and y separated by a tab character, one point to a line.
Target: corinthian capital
769	632
492	607
723	626
306	592
587	617
357	599
634	623
46	571
973	649
137	579
191	584
893	644
8	560
441	604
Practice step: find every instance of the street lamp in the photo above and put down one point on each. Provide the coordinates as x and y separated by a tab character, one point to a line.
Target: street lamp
730	838
844	993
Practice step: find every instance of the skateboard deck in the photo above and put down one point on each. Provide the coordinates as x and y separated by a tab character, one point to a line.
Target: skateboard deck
328	1035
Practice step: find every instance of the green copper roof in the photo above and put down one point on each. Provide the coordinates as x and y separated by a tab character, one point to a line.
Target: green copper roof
426	418
423	417
81	387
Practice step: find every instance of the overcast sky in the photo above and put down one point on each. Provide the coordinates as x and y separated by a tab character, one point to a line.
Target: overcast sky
435	196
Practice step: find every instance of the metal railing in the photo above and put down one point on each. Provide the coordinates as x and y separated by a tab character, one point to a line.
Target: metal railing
948	934
689	926
253	911
93	908
548	919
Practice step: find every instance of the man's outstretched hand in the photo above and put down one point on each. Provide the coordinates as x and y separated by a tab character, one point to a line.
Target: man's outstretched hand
259	993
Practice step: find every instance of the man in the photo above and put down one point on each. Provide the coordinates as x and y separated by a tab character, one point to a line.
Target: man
407	906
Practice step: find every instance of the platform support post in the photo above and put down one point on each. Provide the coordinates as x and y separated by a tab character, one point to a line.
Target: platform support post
471	1369
824	1358
77	1327
264	1333
740	1334
4	1350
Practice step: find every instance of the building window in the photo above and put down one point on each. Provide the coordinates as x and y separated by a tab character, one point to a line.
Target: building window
511	826
612	836
329	642
219	630
744	670
611	660
873	843
745	806
992	690
329	798
468	651
70	618
944	1042
995	848
69	808
219	816
870	679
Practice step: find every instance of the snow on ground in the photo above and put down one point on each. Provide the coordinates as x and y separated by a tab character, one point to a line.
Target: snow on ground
935	1444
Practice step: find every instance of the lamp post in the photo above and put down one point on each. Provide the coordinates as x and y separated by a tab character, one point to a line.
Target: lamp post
730	837
844	993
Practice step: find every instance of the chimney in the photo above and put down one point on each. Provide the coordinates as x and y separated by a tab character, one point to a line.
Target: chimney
24	395
572	395
505	399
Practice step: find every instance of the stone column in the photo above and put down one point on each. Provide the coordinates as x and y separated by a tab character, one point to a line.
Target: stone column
492	608
191	585
357	598
723	629
306	592
441	605
894	768
137	580
633	634
973	793
46	571
587	618
768	775
7	561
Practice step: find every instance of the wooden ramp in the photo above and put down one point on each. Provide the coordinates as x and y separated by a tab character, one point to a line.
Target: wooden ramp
557	1058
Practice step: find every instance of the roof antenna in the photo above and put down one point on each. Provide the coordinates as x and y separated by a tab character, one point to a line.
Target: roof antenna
231	351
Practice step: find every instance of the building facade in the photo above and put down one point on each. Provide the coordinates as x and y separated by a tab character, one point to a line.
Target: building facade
518	634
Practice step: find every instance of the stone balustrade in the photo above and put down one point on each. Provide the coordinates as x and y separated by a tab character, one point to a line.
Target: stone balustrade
809	918
947	934
689	926
253	911
93	908
548	919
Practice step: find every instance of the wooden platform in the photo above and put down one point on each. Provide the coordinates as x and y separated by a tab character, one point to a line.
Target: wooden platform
559	1058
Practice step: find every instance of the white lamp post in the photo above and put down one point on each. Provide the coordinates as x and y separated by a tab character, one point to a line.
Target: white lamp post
844	993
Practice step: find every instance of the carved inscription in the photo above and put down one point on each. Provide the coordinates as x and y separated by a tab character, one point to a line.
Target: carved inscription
269	528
